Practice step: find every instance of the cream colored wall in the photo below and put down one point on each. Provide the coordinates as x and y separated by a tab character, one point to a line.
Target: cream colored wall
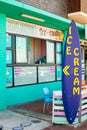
37	49
31	54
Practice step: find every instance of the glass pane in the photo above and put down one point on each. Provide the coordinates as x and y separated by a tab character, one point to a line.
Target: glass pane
59	72
8	56
50	52
9	76
58	58
8	40
58	47
46	73
21	50
25	75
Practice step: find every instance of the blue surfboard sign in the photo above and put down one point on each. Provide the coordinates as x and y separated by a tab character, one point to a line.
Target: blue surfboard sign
72	73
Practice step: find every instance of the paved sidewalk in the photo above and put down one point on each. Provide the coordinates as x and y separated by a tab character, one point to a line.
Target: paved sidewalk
11	119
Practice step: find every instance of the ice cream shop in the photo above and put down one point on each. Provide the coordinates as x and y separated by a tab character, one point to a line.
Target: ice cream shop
31	51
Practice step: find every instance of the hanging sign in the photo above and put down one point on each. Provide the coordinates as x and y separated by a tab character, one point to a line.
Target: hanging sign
71	80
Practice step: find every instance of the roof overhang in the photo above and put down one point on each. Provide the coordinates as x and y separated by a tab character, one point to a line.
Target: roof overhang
79	17
14	9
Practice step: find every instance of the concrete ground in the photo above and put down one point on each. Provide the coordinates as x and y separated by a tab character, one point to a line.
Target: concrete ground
11	119
37	112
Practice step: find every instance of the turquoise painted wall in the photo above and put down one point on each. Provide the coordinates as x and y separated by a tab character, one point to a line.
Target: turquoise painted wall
3	96
19	95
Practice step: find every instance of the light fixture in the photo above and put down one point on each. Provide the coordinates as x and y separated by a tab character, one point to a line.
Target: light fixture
32	17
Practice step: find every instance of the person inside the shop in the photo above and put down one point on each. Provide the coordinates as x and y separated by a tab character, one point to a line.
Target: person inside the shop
41	60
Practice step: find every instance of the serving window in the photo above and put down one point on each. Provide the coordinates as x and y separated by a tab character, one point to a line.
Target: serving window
32	60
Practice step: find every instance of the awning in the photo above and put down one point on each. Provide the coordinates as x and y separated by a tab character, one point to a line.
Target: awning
18	10
79	17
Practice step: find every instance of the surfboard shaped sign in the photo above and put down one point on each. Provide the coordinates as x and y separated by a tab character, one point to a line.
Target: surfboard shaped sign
71	77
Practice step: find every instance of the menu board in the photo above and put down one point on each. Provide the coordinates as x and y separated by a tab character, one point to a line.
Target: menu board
58	58
9	76
8	56
59	72
58	53
8	40
58	47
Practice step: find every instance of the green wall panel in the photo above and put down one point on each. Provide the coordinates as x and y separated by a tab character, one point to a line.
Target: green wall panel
23	94
82	34
2	62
